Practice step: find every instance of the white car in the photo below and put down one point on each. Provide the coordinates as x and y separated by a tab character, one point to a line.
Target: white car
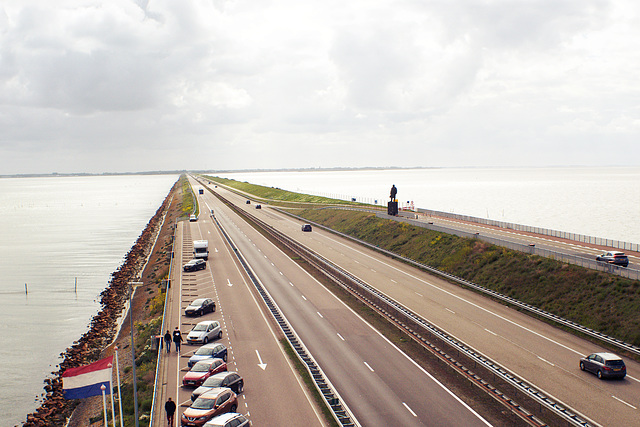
204	332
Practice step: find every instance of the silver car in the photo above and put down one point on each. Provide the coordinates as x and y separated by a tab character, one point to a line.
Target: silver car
204	332
230	419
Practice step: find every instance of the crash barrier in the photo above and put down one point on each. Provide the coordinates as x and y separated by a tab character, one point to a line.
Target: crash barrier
340	412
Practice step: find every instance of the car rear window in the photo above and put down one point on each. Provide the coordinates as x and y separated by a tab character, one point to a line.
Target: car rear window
615	363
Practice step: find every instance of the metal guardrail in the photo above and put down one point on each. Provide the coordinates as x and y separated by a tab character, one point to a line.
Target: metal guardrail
611	243
340	412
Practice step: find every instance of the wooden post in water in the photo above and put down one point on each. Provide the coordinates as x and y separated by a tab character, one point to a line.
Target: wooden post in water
26	291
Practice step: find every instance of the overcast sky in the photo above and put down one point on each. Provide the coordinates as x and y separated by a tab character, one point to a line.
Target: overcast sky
124	85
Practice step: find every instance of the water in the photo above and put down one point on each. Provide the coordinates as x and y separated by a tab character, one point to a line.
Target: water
601	202
54	231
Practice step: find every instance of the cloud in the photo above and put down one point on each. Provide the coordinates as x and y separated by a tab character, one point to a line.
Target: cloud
281	83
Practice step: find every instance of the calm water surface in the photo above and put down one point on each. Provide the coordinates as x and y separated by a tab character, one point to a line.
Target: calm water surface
601	202
54	231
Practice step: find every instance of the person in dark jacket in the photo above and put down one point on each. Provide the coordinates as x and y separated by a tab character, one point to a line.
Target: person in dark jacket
167	341
170	408
177	339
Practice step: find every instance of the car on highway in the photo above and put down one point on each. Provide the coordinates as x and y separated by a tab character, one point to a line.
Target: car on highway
200	306
258	206
604	365
248	202
214	402
193	217
208	351
203	370
228	379
204	332
195	265
614	257
230	419
306	227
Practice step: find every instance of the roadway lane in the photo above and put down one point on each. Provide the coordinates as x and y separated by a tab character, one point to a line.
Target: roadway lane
379	384
538	352
252	341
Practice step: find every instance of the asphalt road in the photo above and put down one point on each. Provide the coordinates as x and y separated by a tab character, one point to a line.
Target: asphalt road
273	393
378	383
540	353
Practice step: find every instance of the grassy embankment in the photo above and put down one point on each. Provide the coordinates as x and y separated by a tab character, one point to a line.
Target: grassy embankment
604	302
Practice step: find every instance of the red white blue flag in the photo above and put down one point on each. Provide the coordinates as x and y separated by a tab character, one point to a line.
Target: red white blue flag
86	381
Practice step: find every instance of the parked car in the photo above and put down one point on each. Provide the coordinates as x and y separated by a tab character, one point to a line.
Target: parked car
200	306
203	370
614	257
228	379
204	332
208	351
230	419
604	365
193	217
306	227
195	265
258	206
214	402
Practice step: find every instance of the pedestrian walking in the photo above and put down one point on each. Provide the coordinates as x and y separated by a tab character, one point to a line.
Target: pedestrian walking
167	341
177	339
170	408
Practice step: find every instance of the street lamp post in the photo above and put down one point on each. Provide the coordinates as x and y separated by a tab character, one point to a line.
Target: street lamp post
133	352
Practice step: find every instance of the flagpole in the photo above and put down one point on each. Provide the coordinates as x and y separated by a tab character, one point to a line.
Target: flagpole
119	394
113	411
104	405
133	354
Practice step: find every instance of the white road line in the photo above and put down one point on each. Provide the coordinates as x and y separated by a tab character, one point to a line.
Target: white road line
393	281
320	314
367	365
418	294
450	311
304	298
491	332
622	401
546	361
341	337
291	283
409	409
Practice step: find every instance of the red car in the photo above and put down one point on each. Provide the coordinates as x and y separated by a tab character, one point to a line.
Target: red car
216	401
203	370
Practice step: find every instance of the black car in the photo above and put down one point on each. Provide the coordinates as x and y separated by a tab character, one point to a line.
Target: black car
306	227
616	258
195	265
248	202
604	365
258	206
231	380
200	306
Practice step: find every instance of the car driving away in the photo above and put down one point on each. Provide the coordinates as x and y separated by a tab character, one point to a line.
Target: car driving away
615	258
200	306
203	370
204	332
195	265
604	365
306	227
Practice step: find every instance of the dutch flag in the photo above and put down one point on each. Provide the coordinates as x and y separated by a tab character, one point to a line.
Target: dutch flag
85	381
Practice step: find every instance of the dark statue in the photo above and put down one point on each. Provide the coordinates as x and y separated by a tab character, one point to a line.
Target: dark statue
394	191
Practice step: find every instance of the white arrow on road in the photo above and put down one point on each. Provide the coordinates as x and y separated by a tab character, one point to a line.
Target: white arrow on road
262	365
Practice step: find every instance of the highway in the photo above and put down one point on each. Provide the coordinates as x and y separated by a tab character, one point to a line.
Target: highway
533	350
273	392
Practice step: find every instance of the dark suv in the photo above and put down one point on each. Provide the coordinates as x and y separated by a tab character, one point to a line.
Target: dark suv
604	365
616	258
195	265
306	227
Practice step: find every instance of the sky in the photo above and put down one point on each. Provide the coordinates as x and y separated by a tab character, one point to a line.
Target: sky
91	86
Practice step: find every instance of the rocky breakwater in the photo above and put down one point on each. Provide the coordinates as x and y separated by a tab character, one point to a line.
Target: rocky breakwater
55	409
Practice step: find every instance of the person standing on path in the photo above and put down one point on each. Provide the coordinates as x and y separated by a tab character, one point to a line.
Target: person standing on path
177	339
167	341
170	407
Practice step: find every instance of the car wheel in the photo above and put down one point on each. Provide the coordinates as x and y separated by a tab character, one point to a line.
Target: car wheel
205	340
581	366
233	408
219	334
240	387
599	374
